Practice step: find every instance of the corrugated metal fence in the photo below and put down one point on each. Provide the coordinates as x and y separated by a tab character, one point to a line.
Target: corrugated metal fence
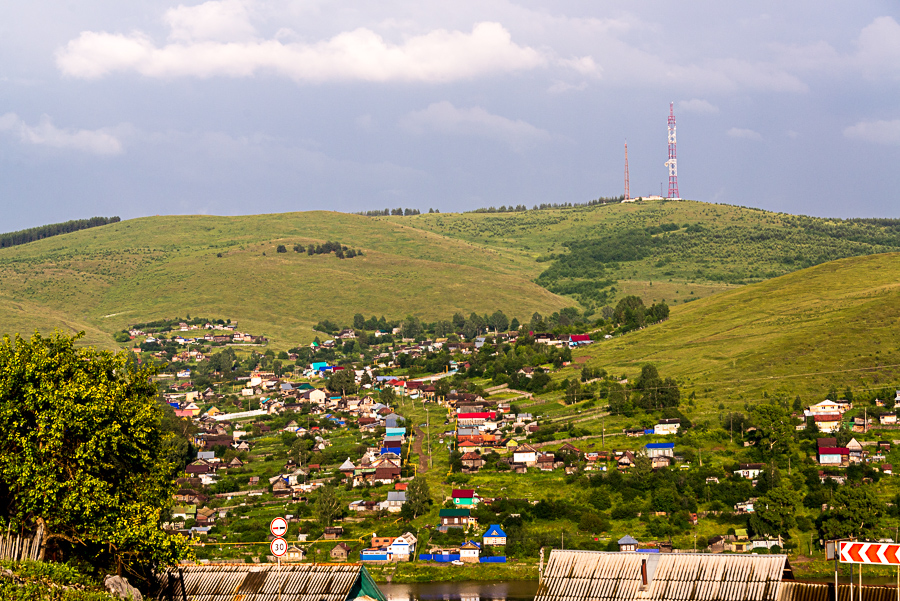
18	548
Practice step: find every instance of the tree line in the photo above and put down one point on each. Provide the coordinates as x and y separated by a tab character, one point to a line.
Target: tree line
54	229
341	251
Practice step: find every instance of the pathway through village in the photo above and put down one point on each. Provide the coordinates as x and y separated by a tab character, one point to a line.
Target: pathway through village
417	447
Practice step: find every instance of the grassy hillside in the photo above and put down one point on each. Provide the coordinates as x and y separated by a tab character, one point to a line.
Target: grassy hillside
106	278
834	324
664	250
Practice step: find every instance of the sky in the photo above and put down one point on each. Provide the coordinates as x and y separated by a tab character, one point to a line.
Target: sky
230	107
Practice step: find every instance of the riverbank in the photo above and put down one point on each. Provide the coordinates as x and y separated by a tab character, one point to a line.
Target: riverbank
426	571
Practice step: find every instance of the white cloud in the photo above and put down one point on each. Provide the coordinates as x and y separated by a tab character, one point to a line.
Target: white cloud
698	106
444	118
225	20
747	134
584	65
99	141
879	49
560	87
879	132
361	54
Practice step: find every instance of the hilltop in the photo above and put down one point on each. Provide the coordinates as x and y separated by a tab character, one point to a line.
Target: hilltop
676	251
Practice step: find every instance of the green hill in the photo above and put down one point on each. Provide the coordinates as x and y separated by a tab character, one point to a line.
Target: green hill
106	278
800	334
675	251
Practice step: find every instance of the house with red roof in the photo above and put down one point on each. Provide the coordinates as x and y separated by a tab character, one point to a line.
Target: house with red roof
463	497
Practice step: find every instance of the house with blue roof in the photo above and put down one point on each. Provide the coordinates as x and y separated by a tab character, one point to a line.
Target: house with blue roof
660	449
494	537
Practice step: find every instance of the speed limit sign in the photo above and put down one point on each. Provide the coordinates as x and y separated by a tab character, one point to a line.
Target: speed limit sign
278	527
278	547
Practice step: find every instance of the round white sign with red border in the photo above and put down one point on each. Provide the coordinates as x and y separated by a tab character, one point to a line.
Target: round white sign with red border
278	547
278	527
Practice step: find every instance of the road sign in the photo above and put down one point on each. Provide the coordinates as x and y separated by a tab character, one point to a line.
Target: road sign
278	527
869	553
278	547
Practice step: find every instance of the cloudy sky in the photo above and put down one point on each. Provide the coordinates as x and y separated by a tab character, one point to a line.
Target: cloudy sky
246	106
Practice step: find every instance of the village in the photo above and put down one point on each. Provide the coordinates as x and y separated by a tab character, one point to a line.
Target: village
273	443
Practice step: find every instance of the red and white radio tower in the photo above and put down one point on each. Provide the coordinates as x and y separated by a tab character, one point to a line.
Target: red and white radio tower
672	163
627	193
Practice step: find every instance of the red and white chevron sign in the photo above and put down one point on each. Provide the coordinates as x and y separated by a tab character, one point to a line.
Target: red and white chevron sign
871	553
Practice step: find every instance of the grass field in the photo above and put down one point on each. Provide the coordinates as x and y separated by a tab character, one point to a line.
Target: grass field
106	278
831	325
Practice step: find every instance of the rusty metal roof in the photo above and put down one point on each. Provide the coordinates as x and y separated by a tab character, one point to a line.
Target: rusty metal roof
596	576
298	582
818	591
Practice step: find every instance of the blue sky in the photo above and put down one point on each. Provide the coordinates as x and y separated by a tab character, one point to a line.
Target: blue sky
249	106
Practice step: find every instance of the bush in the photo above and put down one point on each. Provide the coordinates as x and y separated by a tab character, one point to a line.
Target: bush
281	248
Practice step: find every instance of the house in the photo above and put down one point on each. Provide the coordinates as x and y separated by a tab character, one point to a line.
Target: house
294	553
472	462
626	460
856	451
395	501
455	518
236	462
827	407
340	552
666	427
494	537
659	449
628	543
465	497
716	544
660	462
888	419
745	506
828	422
469	552
403	547
333	533
839	456
750	470
887	469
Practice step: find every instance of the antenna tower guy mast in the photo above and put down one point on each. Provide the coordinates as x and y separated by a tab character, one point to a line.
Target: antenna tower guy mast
627	192
672	163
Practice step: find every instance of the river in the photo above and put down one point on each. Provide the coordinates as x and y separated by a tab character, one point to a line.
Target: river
517	590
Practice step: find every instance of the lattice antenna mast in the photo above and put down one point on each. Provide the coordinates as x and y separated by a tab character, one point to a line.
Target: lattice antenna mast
627	191
672	163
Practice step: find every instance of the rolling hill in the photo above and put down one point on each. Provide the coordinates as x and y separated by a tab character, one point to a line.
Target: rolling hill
432	265
106	278
836	324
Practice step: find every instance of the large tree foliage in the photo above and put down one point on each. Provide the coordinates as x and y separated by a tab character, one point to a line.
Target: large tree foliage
418	497
82	454
855	511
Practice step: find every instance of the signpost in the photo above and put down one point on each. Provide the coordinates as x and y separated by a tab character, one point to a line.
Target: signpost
887	554
278	547
882	554
278	527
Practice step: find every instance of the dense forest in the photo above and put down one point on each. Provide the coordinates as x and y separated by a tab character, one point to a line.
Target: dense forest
54	229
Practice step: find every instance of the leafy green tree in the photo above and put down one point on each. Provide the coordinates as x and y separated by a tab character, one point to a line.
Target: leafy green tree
82	453
775	512
774	428
854	512
343	381
328	506
418	496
